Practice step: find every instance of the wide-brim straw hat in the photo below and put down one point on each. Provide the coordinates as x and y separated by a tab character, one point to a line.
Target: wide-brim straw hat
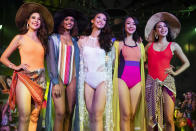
27	9
172	20
81	19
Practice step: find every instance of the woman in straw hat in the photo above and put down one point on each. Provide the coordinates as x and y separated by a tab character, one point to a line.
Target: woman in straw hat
63	64
131	81
95	89
35	23
160	31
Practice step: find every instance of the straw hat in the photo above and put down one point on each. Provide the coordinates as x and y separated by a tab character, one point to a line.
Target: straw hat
172	20
26	9
78	16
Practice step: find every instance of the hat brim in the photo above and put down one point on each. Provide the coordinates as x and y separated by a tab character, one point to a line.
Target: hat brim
78	16
172	20
26	9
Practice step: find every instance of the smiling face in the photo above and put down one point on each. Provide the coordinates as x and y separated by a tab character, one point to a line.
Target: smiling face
99	21
161	29
68	23
34	21
130	26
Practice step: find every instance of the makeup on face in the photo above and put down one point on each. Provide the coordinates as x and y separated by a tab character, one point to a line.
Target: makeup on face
68	22
99	21
34	21
161	29
130	26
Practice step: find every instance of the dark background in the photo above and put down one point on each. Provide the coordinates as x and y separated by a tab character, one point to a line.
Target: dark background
185	10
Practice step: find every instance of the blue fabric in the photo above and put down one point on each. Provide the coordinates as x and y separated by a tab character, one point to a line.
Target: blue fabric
54	76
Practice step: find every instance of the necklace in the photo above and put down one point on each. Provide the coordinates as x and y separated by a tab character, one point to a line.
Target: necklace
132	46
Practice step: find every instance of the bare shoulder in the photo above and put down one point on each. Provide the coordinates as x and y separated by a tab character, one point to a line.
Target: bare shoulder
18	37
121	43
17	40
148	45
175	46
82	40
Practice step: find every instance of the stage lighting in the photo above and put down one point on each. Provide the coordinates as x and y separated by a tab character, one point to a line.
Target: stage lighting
195	29
1	26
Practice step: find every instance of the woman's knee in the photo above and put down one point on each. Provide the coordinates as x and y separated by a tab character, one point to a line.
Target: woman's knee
24	117
60	113
97	116
126	115
169	120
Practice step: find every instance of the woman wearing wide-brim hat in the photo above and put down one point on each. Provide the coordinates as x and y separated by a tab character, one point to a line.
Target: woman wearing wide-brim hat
35	23
160	31
63	64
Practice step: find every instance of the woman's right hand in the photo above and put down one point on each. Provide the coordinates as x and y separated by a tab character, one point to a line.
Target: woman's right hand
22	67
56	91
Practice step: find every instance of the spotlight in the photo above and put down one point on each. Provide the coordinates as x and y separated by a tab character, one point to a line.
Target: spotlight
1	26
195	29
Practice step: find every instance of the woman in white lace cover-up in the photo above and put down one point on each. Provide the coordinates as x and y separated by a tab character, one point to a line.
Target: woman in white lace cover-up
95	90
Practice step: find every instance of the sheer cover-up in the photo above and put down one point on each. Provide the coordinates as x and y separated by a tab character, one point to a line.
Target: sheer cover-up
81	121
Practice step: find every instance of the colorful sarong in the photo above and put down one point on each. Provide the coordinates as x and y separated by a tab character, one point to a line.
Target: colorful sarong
154	99
35	82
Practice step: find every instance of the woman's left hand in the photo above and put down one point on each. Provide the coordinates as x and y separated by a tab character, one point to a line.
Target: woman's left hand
170	70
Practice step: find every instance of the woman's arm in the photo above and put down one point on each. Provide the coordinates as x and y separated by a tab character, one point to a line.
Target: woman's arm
51	62
14	44
180	54
146	55
185	62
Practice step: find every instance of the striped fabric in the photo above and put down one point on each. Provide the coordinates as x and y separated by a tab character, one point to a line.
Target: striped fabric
65	63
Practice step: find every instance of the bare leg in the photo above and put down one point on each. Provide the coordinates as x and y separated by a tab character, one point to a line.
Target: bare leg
168	111
89	94
135	95
125	106
59	103
70	103
23	99
96	108
99	101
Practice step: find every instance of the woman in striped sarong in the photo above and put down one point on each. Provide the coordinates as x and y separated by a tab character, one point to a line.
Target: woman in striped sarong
63	64
28	81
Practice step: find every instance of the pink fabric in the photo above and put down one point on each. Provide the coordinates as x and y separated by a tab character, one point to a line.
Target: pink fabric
131	75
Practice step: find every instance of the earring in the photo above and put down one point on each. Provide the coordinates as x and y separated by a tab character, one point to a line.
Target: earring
156	36
27	26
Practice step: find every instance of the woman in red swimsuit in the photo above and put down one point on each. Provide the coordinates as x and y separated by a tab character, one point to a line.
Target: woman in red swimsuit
160	30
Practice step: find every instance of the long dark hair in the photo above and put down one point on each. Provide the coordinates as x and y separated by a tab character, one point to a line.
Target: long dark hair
169	36
136	36
105	36
42	32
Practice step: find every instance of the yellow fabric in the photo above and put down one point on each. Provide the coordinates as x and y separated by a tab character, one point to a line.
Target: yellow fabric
116	109
140	118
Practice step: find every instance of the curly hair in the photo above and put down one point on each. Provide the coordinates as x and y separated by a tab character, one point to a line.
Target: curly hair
105	36
60	29
168	36
136	36
42	32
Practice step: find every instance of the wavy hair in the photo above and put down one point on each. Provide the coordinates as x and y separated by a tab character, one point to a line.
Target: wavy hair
42	32
168	36
105	36
60	29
